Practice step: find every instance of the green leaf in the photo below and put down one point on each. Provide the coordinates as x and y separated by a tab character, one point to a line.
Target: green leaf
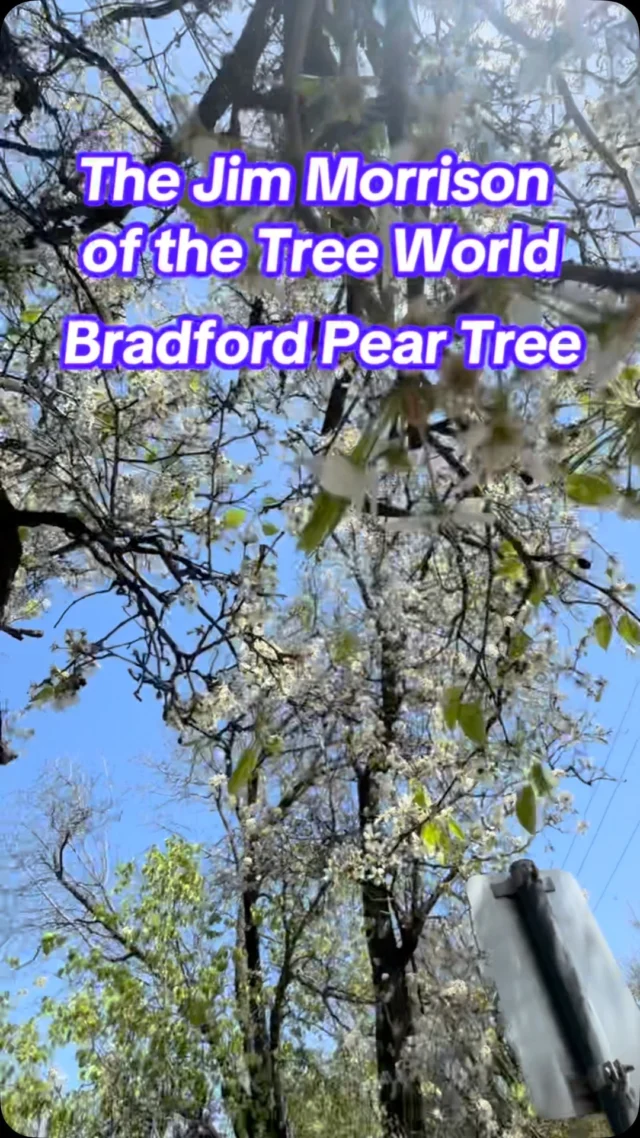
270	530
106	417
397	457
455	830
589	489
539	589
326	514
309	86
431	835
197	1012
268	501
543	783
363	449
510	565
345	647
246	765
603	630
519	645
629	630
471	720
451	706
233	518
31	315
420	797
527	808
44	693
50	941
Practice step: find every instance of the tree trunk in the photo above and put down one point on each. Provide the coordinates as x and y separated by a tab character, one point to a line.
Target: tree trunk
399	1092
264	1113
10	549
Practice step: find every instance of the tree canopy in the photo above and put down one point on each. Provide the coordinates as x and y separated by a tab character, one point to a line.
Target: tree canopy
348	591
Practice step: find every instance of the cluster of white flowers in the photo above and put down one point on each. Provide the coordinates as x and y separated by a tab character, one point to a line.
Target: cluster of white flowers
344	864
486	1118
457	991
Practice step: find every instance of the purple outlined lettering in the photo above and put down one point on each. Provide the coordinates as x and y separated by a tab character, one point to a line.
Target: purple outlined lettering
80	336
568	347
300	335
433	250
106	254
409	347
96	165
422	257
203	342
179	250
489	343
348	179
285	251
336	335
476	344
114	178
273	236
231	180
188	342
324	177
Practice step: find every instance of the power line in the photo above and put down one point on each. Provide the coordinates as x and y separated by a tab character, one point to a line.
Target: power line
618	864
606	763
608	806
189	25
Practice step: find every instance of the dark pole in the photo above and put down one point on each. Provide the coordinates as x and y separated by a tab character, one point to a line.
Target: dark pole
606	1078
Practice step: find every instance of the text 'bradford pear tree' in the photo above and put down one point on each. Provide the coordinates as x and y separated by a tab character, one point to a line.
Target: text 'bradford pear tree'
398	724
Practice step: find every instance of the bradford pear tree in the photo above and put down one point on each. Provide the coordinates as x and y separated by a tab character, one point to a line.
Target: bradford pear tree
400	724
124	482
359	776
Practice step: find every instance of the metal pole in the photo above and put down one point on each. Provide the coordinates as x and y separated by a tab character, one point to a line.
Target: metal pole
607	1079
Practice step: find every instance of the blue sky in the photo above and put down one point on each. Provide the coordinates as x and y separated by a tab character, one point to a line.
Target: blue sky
109	735
618	804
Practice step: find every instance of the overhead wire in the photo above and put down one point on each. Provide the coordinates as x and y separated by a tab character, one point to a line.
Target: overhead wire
189	25
618	864
608	806
606	763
